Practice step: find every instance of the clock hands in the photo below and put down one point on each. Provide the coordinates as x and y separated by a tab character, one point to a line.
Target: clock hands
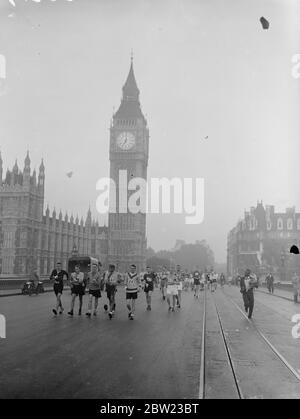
126	140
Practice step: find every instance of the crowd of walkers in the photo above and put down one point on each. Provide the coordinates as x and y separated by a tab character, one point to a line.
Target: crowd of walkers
171	282
95	282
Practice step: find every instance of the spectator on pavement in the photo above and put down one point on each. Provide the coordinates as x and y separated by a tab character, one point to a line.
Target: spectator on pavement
296	286
270	283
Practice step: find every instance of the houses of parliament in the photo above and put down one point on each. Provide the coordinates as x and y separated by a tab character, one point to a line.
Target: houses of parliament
31	238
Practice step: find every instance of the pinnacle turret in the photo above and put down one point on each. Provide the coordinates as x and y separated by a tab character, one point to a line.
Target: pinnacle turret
16	168
27	160
42	167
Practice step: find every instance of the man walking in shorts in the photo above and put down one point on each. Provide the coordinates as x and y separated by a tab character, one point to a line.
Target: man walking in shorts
148	281
213	281
132	287
77	289
178	279
163	282
197	278
58	276
172	291
94	285
111	280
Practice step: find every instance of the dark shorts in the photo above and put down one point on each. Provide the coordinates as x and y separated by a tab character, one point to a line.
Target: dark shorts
95	293
131	295
78	290
149	288
110	292
58	289
196	281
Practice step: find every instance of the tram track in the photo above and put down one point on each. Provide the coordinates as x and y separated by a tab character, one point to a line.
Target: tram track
228	352
202	359
283	360
202	386
237	382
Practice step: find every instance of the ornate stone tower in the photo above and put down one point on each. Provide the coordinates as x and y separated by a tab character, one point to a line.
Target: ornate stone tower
129	148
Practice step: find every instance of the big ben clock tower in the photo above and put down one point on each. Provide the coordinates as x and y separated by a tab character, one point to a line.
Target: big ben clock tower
129	145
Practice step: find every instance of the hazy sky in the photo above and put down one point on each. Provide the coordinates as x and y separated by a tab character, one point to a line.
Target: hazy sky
204	68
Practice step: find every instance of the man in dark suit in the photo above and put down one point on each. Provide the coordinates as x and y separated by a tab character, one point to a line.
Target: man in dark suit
270	283
247	284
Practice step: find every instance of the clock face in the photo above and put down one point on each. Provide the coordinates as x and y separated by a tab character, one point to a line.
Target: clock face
125	140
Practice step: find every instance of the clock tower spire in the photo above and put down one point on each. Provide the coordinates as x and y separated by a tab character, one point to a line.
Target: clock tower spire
130	104
129	145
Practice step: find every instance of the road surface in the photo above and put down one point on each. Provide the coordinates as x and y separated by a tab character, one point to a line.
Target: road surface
158	355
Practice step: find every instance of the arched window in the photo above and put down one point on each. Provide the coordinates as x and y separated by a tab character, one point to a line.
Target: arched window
279	224
290	224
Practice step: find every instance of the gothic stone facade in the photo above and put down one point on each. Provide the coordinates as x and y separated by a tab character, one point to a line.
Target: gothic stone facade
261	242
31	239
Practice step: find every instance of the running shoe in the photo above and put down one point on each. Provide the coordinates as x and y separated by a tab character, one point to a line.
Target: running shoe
61	310
70	313
88	314
105	307
54	312
110	315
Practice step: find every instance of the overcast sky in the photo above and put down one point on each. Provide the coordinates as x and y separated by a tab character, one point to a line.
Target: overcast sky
204	68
